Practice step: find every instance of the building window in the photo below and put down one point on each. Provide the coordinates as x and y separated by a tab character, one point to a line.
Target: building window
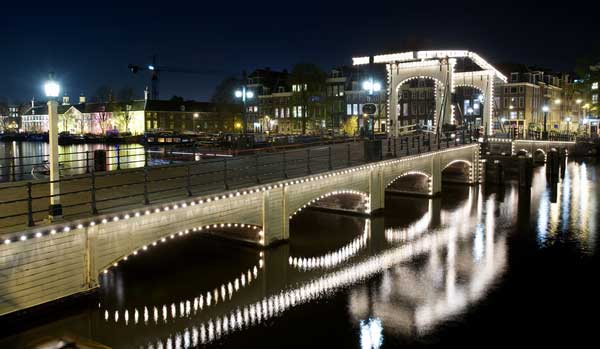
514	77
506	90
355	109
348	109
521	102
595	86
595	98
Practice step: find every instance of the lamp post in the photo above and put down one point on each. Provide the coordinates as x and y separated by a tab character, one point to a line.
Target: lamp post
52	90
568	119
371	86
545	109
244	94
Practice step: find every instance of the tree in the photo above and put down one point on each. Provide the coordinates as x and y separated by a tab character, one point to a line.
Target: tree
177	99
309	82
124	115
224	92
67	119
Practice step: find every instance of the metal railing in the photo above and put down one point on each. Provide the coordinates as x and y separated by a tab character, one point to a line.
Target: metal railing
18	168
101	192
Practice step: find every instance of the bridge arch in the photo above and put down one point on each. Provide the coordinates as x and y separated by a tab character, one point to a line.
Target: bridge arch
365	197
539	155
254	233
458	171
402	183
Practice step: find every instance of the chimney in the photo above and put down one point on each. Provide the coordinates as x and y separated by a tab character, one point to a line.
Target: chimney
146	93
81	99
65	100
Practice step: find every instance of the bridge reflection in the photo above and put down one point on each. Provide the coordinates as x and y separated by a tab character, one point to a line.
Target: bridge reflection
428	271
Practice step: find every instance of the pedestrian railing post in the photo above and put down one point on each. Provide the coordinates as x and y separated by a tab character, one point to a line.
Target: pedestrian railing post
29	206
395	149
407	146
146	157
419	144
12	169
308	160
447	141
146	197
349	160
330	162
429	141
225	183
93	192
256	174
188	178
285	175
118	158
87	161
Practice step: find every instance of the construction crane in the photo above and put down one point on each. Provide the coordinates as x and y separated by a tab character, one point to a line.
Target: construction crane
156	71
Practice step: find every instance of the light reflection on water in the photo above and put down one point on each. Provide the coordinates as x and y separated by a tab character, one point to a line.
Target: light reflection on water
568	210
396	276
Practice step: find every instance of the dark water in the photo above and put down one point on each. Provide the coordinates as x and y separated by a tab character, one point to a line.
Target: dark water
477	266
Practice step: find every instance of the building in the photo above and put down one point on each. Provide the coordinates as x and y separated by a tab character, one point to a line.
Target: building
335	107
519	103
259	110
134	117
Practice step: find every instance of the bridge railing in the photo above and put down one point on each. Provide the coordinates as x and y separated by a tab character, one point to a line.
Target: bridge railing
26	203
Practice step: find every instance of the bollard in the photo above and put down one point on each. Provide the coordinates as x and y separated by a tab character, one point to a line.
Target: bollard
495	173
525	171
552	166
562	159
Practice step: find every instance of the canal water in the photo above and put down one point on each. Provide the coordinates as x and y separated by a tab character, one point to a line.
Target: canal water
477	266
24	160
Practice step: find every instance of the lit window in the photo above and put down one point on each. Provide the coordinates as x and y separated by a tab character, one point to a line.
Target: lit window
595	86
348	109
595	98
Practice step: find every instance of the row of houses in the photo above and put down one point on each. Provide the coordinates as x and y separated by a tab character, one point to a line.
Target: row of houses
134	117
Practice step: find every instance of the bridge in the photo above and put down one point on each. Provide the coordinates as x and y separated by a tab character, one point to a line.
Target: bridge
537	148
49	262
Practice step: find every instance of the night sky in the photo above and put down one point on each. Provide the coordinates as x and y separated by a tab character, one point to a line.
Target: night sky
89	44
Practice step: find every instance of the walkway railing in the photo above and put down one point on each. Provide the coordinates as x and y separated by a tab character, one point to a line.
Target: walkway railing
33	167
26	203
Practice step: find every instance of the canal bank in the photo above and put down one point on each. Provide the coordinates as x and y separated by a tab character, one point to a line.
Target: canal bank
472	266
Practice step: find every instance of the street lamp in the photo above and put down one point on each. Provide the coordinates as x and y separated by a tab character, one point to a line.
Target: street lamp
568	119
244	95
52	90
371	86
545	109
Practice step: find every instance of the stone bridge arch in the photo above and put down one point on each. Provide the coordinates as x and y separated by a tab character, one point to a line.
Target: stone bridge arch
423	185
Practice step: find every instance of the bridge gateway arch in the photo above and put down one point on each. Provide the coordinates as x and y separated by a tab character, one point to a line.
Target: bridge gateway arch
441	67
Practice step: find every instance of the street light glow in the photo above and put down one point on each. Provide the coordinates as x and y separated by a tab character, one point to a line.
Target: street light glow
557	101
238	94
545	109
151	67
579	101
249	94
51	88
366	85
376	87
